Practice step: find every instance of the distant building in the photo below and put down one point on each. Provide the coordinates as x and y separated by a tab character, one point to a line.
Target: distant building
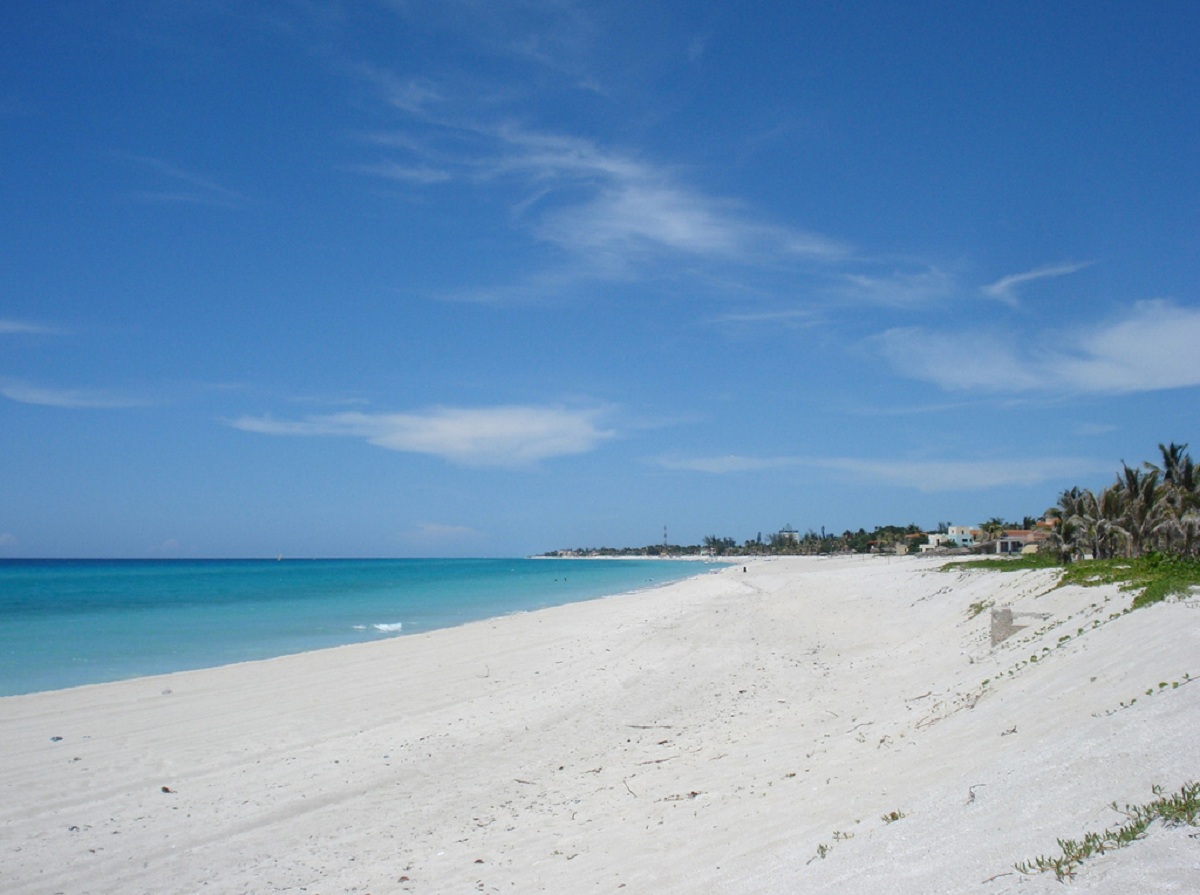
937	540
962	535
1010	542
1016	541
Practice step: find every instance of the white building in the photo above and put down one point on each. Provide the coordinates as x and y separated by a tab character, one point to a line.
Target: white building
962	535
936	540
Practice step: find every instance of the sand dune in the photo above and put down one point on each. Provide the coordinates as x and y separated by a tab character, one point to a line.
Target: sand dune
810	725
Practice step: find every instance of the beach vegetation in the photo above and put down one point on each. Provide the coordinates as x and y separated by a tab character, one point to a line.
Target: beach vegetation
1151	508
1180	809
1017	563
787	541
1154	576
979	607
1141	533
1163	687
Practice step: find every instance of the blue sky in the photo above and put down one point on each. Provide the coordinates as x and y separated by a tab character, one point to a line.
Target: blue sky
391	278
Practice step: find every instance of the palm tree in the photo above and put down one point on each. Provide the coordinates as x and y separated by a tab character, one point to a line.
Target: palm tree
993	529
1109	537
1142	508
1177	469
1178	525
1147	508
1074	532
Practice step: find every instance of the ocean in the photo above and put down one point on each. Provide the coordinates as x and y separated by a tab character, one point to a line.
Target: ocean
64	623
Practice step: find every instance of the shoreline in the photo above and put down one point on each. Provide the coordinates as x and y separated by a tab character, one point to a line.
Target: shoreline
713	733
64	661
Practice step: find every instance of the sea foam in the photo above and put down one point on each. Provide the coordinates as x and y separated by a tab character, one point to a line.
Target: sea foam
389	628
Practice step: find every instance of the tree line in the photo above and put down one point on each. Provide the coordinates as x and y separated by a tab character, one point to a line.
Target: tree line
1151	508
783	542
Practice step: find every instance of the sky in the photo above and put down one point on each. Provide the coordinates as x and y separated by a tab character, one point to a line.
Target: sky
461	278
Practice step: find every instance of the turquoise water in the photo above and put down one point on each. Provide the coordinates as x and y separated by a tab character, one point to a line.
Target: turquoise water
69	622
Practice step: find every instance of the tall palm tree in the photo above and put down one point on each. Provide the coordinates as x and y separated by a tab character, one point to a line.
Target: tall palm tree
993	529
1178	526
1075	519
1110	537
1147	508
1142	508
1177	469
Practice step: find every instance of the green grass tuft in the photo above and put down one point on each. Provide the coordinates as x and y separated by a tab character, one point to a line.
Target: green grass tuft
1154	576
1005	563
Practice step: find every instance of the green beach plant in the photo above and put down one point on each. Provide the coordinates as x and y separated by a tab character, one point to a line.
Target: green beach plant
1181	809
1153	576
976	608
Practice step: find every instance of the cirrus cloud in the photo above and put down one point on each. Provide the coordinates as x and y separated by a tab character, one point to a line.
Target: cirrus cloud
8	326
70	399
510	435
1151	348
1005	289
611	212
922	475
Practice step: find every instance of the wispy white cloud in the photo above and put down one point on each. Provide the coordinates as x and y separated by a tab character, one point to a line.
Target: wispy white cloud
72	399
611	212
788	316
1005	289
26	327
490	436
654	214
180	186
964	475
407	94
419	174
899	289
922	475
630	203
962	361
1153	347
554	37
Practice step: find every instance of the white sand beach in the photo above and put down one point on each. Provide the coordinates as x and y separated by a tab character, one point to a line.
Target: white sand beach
812	725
